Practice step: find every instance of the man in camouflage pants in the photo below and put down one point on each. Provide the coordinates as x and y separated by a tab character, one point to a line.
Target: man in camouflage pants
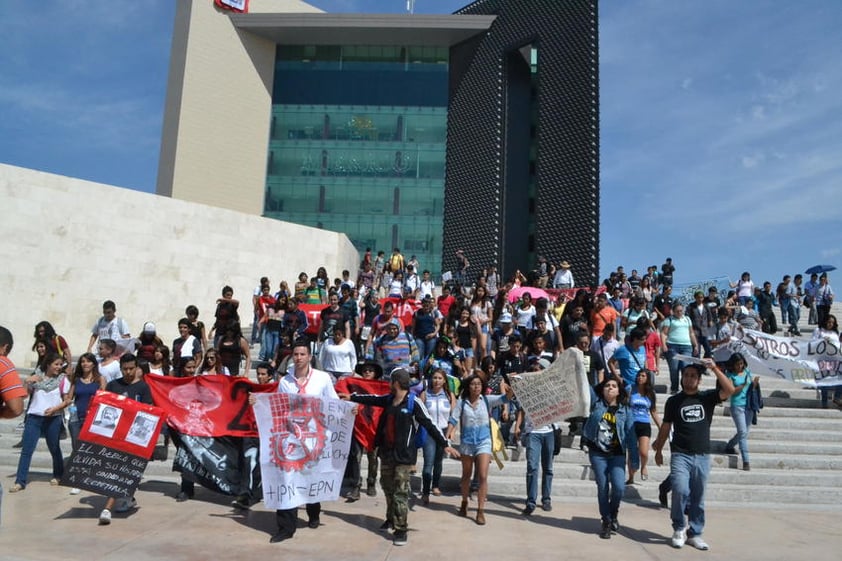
395	443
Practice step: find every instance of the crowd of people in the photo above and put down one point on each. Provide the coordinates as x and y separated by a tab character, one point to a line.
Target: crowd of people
455	353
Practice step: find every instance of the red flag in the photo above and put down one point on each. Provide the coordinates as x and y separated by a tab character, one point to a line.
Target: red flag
368	417
208	405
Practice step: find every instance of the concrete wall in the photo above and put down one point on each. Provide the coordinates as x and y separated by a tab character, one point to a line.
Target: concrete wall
215	139
69	244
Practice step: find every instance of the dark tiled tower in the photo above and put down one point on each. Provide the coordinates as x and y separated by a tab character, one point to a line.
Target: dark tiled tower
523	139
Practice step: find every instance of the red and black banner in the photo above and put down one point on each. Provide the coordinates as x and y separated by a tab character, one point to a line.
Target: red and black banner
207	405
365	423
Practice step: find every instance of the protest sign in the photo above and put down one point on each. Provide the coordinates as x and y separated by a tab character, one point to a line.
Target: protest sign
684	292
560	392
304	443
115	444
814	363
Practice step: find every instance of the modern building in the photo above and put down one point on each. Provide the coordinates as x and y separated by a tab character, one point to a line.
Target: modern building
477	130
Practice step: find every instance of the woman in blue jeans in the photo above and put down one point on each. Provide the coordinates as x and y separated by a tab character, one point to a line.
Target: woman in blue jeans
439	401
677	337
737	371
44	418
607	433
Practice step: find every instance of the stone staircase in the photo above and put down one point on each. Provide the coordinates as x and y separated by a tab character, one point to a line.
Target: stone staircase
796	458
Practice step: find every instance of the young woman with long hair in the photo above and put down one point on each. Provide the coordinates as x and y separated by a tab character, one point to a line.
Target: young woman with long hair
481	314
644	410
472	414
439	401
607	433
160	363
43	419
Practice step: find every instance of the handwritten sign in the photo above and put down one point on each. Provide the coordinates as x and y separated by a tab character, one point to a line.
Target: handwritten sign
813	363
560	392
304	443
104	470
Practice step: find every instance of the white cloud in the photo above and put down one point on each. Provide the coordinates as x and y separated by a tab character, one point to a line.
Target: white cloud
753	160
831	252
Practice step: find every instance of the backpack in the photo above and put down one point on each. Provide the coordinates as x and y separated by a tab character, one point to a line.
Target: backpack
421	434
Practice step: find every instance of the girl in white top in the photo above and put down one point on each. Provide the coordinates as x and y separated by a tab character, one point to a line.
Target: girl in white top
439	402
745	288
338	354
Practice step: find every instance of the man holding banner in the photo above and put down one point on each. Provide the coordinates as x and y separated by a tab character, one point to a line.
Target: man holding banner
306	380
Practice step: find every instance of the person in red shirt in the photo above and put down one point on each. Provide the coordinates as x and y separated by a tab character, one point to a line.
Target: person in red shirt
12	392
602	315
445	301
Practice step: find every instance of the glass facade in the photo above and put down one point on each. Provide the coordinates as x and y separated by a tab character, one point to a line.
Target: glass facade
358	142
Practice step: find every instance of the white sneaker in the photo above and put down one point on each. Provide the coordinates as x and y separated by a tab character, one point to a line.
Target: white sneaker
105	517
698	543
75	491
679	537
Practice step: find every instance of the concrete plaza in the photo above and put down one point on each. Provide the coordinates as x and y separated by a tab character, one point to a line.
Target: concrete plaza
45	523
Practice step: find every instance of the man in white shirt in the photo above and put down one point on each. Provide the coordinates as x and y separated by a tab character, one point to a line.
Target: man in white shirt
563	277
109	326
428	286
301	379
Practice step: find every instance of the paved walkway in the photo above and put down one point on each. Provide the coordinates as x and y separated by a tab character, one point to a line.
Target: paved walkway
46	523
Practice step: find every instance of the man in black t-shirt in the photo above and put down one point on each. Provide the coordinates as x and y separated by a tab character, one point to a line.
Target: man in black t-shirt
688	415
131	385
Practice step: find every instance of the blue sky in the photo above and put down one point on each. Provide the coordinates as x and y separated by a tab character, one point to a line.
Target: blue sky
721	121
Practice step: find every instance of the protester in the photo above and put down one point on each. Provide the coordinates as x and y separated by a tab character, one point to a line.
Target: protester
109	362
464	335
160	363
688	416
43	419
396	446
677	337
233	348
630	358
644	409
44	331
187	346
131	386
338	354
829	331
301	379
472	414
148	341
439	401
211	365
824	299
607	433
197	327
540	444
109	326
226	312
737	371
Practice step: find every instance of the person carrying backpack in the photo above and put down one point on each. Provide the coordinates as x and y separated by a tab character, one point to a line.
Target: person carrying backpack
397	446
